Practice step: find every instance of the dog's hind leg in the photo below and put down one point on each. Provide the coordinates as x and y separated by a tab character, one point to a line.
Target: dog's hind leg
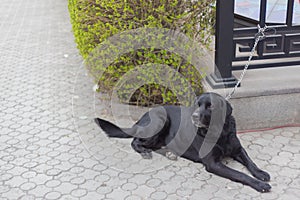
137	145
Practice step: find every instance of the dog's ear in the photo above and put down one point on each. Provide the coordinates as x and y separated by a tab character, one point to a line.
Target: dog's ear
198	98
228	109
196	101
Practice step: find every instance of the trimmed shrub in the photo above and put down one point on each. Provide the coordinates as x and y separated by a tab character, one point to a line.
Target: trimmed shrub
94	21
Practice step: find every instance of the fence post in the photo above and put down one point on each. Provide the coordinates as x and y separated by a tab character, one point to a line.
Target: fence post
222	75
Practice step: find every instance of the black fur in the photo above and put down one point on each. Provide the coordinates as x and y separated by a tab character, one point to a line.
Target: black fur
186	131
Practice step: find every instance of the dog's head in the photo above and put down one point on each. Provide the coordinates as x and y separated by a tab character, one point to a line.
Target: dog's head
207	104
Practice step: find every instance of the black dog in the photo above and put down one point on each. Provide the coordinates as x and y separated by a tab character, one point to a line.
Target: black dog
203	133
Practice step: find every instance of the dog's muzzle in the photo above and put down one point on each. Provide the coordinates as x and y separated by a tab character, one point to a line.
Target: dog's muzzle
197	122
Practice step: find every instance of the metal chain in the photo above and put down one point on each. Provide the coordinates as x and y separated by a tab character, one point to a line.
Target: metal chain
260	35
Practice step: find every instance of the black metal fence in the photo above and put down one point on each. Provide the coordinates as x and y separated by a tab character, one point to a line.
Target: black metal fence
235	38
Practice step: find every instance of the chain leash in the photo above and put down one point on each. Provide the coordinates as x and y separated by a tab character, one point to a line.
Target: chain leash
260	35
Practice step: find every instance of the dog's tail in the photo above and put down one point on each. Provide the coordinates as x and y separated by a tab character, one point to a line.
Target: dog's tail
110	129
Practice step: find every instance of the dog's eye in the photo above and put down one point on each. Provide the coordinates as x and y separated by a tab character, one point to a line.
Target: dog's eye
210	106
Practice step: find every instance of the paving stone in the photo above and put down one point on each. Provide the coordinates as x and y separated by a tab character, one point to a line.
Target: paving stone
203	176
200	194
159	195
13	193
170	187
16	181
129	186
77	169
40	179
104	189
53	195
110	172
118	194
249	192
126	176
79	193
53	172
78	180
295	183
285	154
76	160
115	182
164	175
65	188
179	179
6	177
294	191
295	142
294	165
143	190
153	182
40	191
264	157
289	172
255	147
218	198
281	140
262	142
288	196
184	192
226	193
29	174
272	167
133	197
4	189
292	149
139	179
53	183
28	186
27	197
280	160
92	195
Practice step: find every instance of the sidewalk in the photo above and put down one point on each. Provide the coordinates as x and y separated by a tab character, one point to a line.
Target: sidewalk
51	149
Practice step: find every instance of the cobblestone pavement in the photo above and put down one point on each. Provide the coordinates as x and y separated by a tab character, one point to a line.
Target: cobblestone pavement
51	149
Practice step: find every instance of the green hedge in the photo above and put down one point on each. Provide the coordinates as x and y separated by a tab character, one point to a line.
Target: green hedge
94	21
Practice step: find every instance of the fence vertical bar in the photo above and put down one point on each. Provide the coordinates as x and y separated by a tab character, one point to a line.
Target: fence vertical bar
289	13
222	76
262	13
262	23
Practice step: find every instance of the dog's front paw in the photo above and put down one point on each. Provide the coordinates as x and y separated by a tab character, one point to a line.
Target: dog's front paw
262	175
262	187
146	155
